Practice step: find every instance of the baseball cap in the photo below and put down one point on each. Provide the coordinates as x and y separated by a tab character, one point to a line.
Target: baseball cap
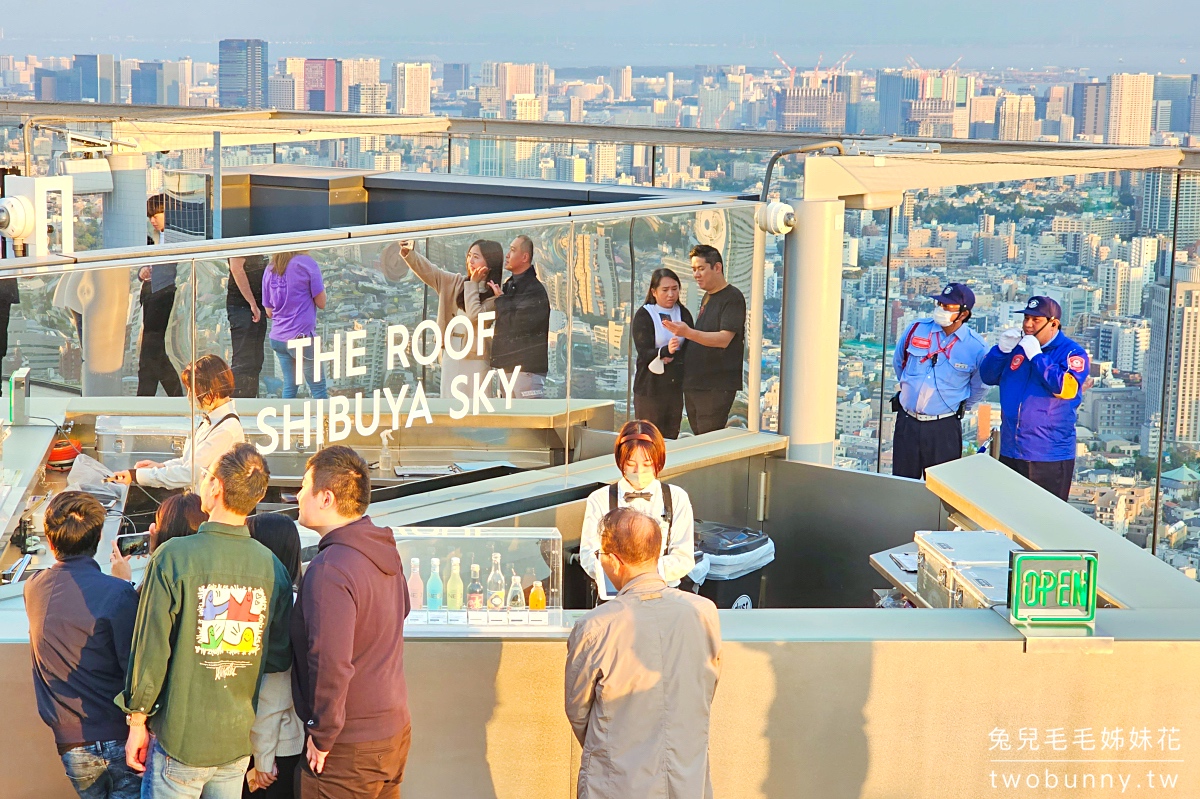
1043	306
956	294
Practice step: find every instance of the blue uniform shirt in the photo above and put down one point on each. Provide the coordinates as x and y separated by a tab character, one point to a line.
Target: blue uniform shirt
1039	398
936	386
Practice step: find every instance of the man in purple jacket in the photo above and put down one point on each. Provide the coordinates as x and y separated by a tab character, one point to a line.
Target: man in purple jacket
348	639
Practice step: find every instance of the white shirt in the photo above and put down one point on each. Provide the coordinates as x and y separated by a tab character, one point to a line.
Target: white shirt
678	543
214	436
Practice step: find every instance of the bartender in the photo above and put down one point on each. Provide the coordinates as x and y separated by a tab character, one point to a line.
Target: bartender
640	454
209	381
1041	374
937	367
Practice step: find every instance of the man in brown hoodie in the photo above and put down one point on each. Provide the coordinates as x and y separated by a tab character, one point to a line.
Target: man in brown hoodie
348	638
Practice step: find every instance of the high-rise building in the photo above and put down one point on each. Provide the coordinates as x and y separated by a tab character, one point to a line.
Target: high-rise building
621	79
513	79
929	118
147	85
891	90
368	98
1122	285
1124	342
57	85
982	116
543	79
1158	206
849	84
412	84
357	71
1176	90
1179	349
1130	97
863	117
242	76
1089	106
816	110
282	94
604	162
177	77
321	84
98	77
455	77
1194	102
575	111
570	168
1016	119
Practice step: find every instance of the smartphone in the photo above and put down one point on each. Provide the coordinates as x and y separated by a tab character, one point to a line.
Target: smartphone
133	544
666	317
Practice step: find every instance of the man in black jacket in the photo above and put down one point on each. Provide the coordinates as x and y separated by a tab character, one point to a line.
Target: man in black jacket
348	638
522	330
158	300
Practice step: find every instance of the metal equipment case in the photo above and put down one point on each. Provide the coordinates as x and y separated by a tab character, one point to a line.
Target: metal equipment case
941	556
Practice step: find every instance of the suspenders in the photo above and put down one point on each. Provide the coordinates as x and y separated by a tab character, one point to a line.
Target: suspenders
668	512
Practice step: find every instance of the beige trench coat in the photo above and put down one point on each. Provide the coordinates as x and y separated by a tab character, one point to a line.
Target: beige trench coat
641	674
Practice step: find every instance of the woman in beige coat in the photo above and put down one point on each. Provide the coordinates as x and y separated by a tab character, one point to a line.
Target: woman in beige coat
458	295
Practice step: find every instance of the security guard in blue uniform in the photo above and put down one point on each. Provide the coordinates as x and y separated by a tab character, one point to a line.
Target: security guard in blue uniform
937	366
1041	374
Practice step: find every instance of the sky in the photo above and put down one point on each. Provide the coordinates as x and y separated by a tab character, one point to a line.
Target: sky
1101	35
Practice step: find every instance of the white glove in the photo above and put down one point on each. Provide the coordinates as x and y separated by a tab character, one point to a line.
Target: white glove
1031	346
1009	339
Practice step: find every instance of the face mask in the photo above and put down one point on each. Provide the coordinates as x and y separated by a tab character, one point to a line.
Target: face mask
640	478
942	317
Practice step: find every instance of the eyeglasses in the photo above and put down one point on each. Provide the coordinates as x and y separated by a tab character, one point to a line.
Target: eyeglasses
950	308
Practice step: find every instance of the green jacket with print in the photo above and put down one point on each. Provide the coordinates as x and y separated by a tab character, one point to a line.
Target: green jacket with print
213	618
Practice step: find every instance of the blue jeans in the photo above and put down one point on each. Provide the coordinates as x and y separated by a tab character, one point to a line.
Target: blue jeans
287	365
98	771
167	778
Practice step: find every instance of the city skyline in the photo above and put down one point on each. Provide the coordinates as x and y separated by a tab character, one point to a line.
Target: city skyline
1100	38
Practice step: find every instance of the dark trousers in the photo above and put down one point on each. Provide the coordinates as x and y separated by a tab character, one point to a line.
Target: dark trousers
918	445
708	410
284	786
664	411
154	365
5	312
1054	476
248	338
370	770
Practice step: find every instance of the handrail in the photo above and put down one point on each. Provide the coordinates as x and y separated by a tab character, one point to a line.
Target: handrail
210	249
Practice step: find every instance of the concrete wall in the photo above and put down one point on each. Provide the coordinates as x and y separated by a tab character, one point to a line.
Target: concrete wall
833	719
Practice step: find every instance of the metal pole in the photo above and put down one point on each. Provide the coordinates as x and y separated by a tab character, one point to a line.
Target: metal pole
755	341
449	151
883	359
217	204
27	145
1162	409
274	152
653	165
808	362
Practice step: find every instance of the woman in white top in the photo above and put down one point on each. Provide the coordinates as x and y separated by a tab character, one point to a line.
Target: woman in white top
641	454
210	381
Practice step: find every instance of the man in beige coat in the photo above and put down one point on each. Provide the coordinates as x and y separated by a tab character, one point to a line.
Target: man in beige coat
641	674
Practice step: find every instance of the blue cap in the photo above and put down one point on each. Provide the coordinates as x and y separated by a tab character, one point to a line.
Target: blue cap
956	294
1043	306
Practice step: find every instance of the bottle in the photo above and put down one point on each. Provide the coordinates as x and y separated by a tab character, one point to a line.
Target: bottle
475	590
537	596
454	586
416	587
516	597
433	591
385	454
495	585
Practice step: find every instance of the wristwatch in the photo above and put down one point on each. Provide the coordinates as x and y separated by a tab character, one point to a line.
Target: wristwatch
129	722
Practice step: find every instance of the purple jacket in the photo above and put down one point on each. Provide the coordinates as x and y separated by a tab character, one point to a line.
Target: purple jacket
348	638
290	297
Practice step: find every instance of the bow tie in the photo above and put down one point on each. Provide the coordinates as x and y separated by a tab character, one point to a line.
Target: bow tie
638	495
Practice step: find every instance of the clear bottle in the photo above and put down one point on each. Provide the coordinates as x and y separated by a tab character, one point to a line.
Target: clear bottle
516	596
416	586
475	590
454	586
495	585
537	596
434	596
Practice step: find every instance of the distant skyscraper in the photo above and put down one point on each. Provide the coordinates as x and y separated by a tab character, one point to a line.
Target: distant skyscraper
57	85
1129	102
1177	90
1089	106
455	77
982	117
369	98
513	79
891	90
147	84
604	162
863	117
1179	349
575	111
356	71
411	83
543	79
1015	118
931	119
1122	285
812	110
242	79
321	84
621	79
281	93
99	79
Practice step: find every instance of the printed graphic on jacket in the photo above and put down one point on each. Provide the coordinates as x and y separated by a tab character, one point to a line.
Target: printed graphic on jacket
231	619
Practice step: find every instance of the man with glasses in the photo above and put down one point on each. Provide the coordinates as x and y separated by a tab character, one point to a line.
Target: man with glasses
937	366
1042	375
712	372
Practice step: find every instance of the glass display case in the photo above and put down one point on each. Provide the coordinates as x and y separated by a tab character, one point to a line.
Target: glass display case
482	578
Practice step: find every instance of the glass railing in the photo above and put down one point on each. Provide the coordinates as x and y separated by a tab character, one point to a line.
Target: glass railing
89	328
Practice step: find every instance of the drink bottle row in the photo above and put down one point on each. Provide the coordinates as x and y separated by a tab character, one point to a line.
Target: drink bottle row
435	602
